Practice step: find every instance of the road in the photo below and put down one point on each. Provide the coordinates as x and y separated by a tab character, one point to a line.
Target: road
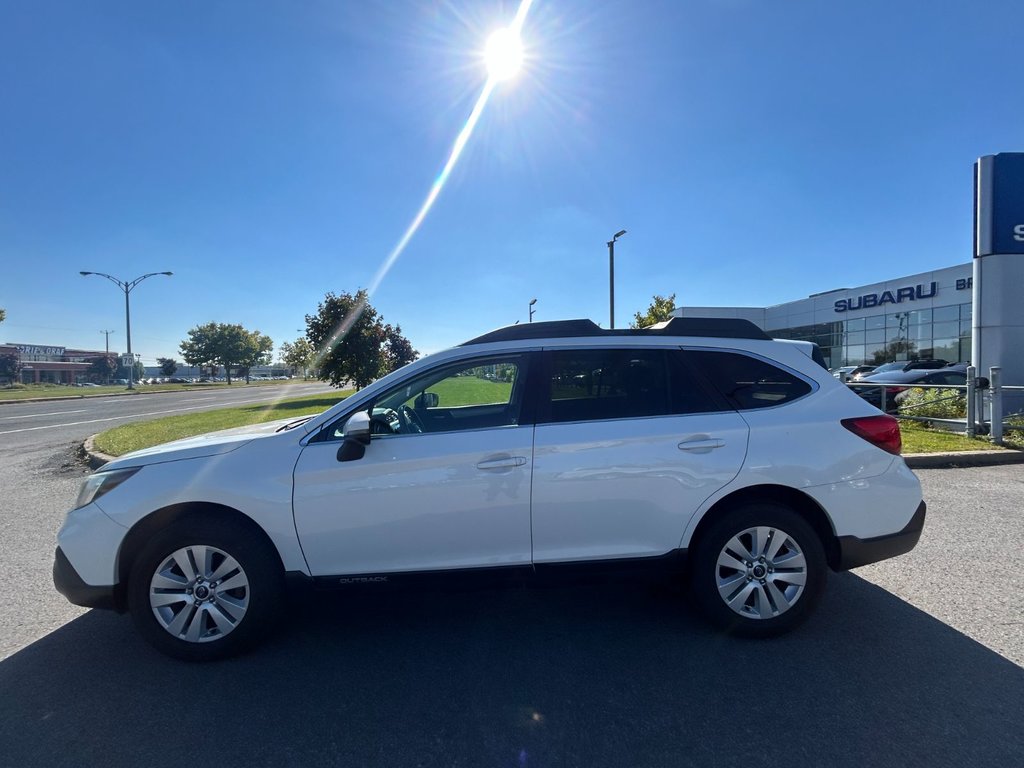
916	661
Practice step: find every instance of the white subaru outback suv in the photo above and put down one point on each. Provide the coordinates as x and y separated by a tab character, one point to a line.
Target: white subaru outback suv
701	450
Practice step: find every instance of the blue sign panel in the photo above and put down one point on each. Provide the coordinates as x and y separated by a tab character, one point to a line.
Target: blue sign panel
999	198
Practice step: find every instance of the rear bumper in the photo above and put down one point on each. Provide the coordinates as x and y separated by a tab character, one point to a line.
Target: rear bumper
70	584
855	552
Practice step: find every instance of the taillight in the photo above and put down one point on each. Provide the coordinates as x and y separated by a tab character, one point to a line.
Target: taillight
895	390
883	431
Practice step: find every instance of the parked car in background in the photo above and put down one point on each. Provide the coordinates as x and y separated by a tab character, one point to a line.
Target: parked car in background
898	382
852	371
910	365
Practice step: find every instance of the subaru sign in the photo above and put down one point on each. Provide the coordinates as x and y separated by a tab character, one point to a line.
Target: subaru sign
869	300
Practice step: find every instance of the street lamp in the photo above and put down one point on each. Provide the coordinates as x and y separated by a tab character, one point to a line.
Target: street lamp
127	288
532	310
611	276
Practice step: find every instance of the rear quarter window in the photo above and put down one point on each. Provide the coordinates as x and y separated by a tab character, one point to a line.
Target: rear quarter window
748	382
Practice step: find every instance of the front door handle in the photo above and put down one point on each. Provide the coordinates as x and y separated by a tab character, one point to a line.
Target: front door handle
701	445
505	462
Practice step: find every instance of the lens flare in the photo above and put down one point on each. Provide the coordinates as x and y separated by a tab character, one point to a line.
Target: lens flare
509	34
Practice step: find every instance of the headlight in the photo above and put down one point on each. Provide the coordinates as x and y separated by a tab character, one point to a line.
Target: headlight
102	482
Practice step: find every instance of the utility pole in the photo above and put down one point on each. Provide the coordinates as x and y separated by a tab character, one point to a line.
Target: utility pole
107	334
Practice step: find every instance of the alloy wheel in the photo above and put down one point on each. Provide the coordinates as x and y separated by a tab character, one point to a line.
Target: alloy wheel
199	593
761	572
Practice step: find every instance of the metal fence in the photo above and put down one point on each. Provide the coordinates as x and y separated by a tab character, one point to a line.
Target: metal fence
991	407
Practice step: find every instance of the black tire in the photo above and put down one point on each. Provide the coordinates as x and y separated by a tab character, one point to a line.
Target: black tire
262	594
766	599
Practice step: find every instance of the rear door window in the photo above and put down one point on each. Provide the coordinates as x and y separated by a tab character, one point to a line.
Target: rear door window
599	384
595	384
748	382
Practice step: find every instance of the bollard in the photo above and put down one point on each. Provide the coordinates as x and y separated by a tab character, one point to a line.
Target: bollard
971	393
996	409
981	426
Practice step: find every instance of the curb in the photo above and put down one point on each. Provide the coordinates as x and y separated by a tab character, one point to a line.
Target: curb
963	459
95	458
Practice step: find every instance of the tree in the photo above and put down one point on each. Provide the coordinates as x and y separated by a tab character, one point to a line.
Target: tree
355	345
659	311
3	314
10	366
168	365
297	355
227	345
103	367
256	349
398	350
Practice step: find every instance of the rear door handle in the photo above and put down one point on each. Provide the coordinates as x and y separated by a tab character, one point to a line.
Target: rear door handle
506	462
703	445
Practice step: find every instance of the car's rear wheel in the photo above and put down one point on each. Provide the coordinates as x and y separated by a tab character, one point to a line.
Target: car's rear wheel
205	589
759	570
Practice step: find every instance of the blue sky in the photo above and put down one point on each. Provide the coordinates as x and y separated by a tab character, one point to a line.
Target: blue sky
268	152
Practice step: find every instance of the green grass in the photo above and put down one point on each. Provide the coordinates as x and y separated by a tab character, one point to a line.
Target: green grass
919	439
28	391
133	437
470	390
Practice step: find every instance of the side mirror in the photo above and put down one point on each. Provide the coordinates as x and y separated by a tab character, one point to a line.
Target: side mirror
357	428
426	400
356	436
351	450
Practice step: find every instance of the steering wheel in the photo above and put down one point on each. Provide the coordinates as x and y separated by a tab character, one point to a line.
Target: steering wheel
411	421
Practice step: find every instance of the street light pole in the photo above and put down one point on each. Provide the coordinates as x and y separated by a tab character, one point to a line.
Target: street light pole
611	277
127	286
532	310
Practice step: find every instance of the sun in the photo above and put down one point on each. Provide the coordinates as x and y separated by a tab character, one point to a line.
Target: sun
503	54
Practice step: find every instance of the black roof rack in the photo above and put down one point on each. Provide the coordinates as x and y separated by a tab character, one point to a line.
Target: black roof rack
713	327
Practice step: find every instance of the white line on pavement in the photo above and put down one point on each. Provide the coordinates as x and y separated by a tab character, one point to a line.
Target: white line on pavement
51	413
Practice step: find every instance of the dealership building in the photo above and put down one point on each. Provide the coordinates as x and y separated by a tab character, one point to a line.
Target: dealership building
42	364
923	316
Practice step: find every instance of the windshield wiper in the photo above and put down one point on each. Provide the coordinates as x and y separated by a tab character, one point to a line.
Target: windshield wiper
293	424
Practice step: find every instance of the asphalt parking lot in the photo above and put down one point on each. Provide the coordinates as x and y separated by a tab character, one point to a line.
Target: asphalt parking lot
916	661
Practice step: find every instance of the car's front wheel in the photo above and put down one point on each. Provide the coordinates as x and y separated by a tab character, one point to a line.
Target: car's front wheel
205	589
759	570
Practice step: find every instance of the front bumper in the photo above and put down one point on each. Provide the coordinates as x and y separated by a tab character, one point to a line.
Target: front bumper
70	584
855	552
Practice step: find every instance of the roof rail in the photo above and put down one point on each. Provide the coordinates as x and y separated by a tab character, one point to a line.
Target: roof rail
718	328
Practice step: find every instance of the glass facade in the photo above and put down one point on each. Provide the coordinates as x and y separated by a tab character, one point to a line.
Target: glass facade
941	333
